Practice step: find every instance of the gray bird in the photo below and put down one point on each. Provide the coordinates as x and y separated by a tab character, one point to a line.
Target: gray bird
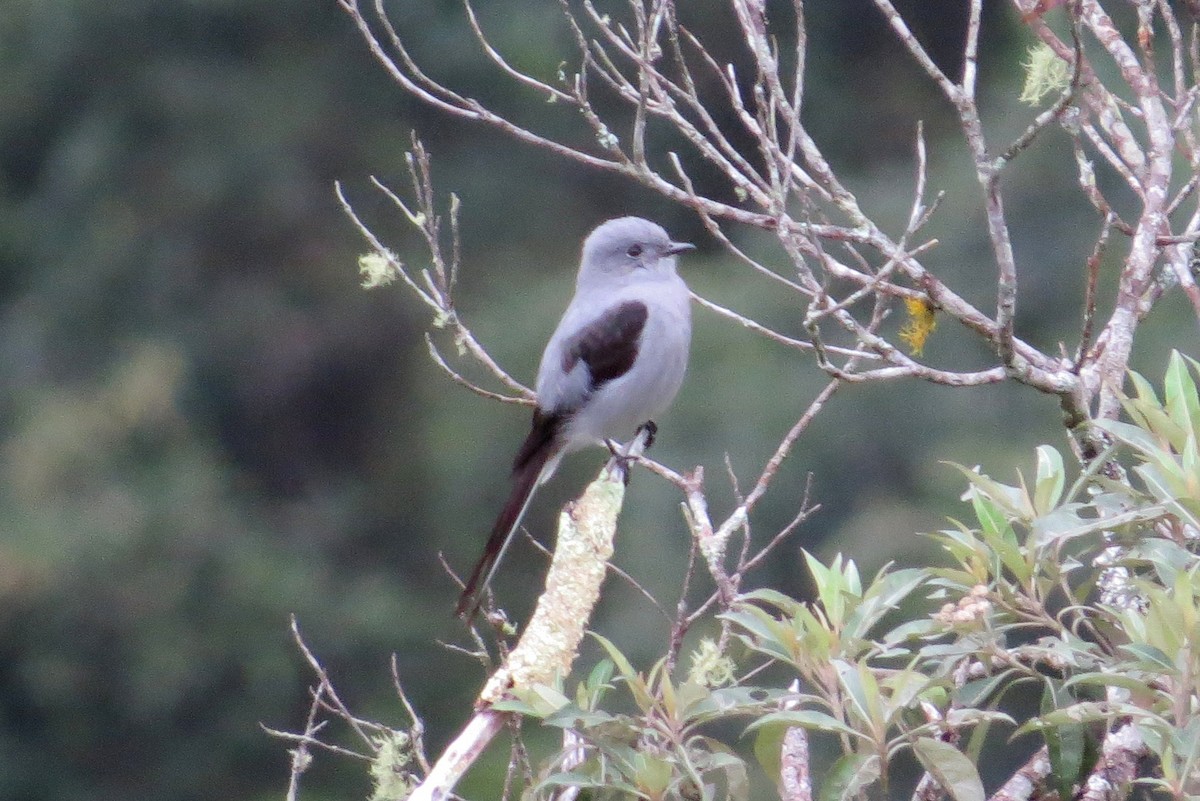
615	361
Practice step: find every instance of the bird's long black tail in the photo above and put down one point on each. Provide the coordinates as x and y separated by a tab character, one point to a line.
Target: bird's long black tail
539	448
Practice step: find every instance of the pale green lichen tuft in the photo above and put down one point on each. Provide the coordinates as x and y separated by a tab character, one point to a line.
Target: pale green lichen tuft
377	269
710	668
393	780
1045	73
607	139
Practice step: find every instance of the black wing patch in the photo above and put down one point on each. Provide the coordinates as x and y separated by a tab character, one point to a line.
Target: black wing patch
609	345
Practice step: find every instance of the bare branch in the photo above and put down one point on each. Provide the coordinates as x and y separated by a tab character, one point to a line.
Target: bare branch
462	752
795	777
1117	767
417	728
526	400
772	466
551	92
1055	112
325	694
1027	783
906	37
1089	298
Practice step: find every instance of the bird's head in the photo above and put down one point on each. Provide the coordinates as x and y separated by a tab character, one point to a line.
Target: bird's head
629	247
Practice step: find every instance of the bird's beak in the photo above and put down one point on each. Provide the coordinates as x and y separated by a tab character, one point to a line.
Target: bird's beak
679	247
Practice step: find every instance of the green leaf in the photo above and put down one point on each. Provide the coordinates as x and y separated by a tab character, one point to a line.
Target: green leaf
848	776
652	775
768	745
883	596
1012	501
1064	523
965	549
515	705
573	717
910	630
785	603
1149	414
538	700
1144	389
964	718
764	633
619	660
729	701
805	719
862	690
954	772
585	782
906	686
1182	402
1051	478
637	685
590	692
997	533
836	586
1064	744
978	692
1150	658
1135	437
666	691
712	755
1082	712
601	673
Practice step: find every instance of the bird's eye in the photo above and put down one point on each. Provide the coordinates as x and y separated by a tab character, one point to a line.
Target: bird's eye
634	251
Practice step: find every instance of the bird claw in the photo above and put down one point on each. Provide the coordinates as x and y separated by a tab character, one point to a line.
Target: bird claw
621	460
651	429
625	455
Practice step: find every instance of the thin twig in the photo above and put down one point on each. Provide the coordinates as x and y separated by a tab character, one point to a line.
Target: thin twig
326	695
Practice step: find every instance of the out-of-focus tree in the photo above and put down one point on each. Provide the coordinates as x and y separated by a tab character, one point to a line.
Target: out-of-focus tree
185	401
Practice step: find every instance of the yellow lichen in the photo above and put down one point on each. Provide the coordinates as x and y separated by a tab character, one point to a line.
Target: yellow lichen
921	323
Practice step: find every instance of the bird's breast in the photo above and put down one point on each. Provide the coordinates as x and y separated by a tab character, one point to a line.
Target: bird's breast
616	409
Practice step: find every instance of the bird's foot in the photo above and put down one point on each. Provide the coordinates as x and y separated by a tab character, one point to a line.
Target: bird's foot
651	429
623	456
621	460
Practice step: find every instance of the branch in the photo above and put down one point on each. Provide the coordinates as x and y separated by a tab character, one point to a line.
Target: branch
462	752
550	642
1117	767
1029	780
434	289
795	778
583	547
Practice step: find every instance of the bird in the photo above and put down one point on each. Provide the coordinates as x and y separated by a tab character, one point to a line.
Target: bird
615	361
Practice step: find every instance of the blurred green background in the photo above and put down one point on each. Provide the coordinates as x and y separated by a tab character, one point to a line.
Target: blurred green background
206	425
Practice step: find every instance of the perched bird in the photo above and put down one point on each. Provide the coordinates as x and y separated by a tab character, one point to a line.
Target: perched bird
615	361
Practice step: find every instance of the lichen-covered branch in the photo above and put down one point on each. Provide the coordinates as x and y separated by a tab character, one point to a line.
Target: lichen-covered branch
582	549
